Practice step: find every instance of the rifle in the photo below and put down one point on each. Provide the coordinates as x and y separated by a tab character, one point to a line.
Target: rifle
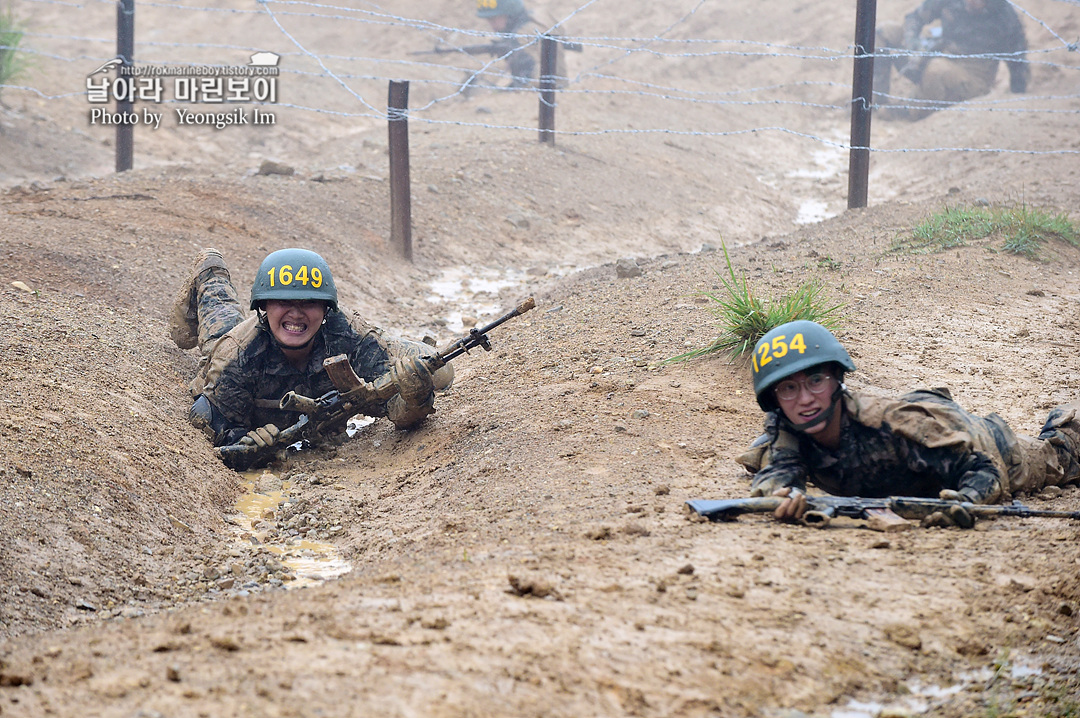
497	48
329	414
822	509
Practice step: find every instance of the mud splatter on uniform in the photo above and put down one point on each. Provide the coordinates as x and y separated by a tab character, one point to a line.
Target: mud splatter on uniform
916	445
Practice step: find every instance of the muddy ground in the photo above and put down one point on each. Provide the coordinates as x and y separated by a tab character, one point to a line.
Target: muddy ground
526	551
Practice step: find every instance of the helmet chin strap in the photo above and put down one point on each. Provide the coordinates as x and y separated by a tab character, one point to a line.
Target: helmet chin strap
821	418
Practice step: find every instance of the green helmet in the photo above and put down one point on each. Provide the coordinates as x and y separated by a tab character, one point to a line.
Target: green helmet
494	8
294	274
789	349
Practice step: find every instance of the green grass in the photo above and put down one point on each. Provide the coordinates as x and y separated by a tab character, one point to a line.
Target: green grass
1024	230
743	317
12	62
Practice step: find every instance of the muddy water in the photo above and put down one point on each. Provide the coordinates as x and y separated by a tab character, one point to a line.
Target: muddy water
312	561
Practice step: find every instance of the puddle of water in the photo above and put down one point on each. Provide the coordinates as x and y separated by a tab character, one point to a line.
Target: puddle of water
311	561
812	211
917	702
473	291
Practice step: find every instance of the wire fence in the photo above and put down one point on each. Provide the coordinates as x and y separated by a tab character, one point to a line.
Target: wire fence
336	60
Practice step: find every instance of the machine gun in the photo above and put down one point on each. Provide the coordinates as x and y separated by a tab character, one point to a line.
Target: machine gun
822	509
329	414
496	48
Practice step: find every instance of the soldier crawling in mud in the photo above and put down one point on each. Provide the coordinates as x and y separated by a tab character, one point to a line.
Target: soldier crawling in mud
848	443
251	363
987	30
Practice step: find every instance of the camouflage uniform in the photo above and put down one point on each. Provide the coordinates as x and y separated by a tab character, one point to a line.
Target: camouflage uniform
940	81
917	445
521	62
244	375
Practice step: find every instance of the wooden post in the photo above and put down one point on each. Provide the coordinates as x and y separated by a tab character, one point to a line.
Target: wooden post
125	48
862	98
548	53
400	198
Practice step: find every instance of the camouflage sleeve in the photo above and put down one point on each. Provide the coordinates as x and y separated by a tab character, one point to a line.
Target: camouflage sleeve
779	465
971	473
233	404
784	470
370	360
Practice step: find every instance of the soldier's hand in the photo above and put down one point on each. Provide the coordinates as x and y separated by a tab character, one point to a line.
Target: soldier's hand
413	380
262	437
792	508
955	515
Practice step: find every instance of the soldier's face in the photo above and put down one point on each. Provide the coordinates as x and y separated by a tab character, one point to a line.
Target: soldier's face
498	23
975	5
804	397
294	323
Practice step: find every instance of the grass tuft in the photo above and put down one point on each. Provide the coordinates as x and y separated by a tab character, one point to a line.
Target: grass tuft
1024	230
12	62
744	317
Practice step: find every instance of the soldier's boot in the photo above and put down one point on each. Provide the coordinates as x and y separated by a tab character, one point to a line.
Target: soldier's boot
184	315
401	347
1062	430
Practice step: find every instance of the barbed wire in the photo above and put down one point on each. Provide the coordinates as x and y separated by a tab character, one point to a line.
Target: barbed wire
345	71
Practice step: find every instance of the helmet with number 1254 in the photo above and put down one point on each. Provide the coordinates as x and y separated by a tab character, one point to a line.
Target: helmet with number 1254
789	349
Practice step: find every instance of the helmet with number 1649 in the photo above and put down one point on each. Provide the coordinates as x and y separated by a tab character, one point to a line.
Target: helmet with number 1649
789	349
291	274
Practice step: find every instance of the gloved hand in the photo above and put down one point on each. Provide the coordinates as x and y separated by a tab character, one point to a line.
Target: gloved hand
955	515
262	437
413	380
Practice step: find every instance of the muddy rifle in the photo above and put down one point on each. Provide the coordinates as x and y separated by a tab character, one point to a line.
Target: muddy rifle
329	414
820	510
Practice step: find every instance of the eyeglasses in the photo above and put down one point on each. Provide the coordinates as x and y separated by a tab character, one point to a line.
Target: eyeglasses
817	383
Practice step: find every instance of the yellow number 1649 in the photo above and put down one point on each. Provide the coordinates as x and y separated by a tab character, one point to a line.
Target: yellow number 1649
285	276
778	348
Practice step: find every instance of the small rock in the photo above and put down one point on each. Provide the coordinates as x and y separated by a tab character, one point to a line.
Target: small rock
668	265
641	414
687	570
637	332
982	202
19	285
906	636
627	267
708	247
518	220
85	606
269	167
537	272
1050	492
468	322
172	673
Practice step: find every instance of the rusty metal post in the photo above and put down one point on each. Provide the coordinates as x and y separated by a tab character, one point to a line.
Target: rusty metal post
549	48
400	192
862	99
125	48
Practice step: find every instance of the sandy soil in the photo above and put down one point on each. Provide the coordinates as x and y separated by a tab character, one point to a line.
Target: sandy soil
526	551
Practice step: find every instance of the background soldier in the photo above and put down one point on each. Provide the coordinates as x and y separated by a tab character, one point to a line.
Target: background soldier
251	362
968	27
510	17
923	444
